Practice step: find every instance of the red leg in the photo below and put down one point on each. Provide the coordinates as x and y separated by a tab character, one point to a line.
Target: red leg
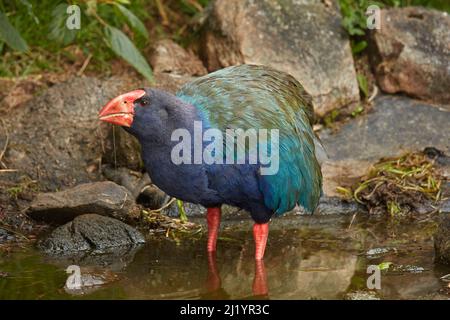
260	281
213	219
260	234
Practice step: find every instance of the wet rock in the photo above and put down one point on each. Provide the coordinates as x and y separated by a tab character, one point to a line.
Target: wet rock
113	259
170	57
400	269
5	236
437	155
378	252
394	126
412	53
91	232
303	38
327	206
88	281
106	198
140	186
191	210
442	240
336	205
445	194
56	138
445	206
362	295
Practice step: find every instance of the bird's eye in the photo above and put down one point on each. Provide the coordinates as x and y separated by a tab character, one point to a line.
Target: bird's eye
144	102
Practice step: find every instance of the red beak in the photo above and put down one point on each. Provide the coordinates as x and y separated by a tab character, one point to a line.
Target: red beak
120	110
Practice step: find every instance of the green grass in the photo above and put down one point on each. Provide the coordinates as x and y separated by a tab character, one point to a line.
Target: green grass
35	21
53	48
394	185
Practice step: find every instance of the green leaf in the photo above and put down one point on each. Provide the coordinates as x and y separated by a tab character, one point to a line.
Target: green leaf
359	46
30	12
384	265
182	212
10	35
357	110
363	86
57	26
134	21
123	47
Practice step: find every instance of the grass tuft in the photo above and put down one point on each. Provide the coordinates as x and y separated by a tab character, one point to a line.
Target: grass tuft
398	186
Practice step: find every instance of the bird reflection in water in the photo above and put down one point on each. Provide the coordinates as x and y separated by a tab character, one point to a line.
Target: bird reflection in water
213	283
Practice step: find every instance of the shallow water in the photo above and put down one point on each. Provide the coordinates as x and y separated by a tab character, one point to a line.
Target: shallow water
306	258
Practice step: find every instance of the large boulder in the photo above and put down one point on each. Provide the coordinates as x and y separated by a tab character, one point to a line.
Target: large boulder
56	138
412	53
106	198
91	232
303	38
395	125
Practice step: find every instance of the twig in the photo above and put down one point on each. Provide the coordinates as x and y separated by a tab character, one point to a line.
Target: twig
164	206
6	142
353	219
114	147
85	64
162	13
374	94
196	5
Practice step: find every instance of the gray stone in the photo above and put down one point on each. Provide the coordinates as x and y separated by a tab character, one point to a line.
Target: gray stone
106	198
170	57
140	186
191	209
5	236
445	206
335	205
412	53
442	240
395	125
303	38
90	232
56	138
361	295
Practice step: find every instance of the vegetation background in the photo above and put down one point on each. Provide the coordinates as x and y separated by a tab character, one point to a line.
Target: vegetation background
117	33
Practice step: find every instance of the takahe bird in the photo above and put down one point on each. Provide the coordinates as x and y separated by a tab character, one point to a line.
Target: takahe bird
244	97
